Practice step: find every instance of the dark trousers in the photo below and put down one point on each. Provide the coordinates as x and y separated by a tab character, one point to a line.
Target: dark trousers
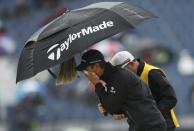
131	127
159	127
155	128
171	129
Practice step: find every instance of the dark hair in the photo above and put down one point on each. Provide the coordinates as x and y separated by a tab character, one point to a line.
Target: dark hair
135	60
101	63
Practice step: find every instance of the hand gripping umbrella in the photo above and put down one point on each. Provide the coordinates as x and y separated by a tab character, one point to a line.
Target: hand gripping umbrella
75	31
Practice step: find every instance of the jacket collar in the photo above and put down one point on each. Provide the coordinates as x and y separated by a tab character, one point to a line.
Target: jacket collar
140	67
108	70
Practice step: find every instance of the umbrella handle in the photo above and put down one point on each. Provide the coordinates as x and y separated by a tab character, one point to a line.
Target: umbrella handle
52	74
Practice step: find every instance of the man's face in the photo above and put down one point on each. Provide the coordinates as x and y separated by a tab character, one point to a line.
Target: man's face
95	68
131	66
91	68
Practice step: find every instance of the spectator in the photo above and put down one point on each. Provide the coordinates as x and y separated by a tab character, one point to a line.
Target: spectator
56	13
46	3
22	9
7	44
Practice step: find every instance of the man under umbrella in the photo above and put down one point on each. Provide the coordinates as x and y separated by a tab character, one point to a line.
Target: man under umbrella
155	78
121	91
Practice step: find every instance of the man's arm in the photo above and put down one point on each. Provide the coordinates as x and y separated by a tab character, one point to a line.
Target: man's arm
111	100
162	90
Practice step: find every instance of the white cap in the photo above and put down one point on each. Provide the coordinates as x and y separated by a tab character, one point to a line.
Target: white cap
122	58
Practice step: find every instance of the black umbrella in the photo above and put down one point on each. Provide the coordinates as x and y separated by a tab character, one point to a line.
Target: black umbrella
74	32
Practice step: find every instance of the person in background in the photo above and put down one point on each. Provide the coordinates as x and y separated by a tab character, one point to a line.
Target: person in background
122	92
7	44
156	79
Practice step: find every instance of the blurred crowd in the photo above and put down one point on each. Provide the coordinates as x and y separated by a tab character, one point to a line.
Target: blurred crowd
28	104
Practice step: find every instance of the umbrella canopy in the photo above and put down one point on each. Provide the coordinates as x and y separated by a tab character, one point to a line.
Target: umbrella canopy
74	32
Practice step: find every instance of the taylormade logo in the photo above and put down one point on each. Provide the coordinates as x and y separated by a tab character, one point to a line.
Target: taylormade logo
56	54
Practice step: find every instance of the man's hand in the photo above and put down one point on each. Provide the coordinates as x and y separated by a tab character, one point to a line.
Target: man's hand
101	108
118	116
92	77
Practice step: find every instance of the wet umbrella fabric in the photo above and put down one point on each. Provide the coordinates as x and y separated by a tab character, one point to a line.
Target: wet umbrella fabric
74	32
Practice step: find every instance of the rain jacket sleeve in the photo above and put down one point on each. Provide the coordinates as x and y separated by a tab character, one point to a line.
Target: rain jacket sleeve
166	97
